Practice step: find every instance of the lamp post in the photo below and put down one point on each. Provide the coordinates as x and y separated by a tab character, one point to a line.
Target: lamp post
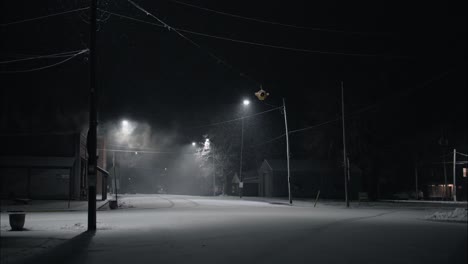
125	131
115	178
241	183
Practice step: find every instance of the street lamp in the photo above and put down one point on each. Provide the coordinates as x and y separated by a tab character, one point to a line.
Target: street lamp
126	128
125	131
194	144
245	102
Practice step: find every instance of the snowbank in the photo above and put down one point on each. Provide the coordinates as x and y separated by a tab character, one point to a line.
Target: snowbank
457	215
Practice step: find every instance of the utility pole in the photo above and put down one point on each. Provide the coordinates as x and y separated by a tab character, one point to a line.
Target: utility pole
241	184
445	177
287	151
92	132
349	170
115	178
416	178
443	142
214	172
344	147
454	175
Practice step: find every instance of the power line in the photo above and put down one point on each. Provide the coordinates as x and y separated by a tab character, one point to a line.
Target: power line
269	141
271	22
239	118
56	55
283	47
165	25
48	66
46	16
315	126
252	43
372	106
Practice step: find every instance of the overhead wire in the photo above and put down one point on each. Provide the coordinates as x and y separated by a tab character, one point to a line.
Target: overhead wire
56	55
271	22
252	43
372	106
237	119
45	16
47	66
176	30
268	141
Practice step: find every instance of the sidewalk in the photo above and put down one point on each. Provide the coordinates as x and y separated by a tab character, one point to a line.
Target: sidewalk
48	205
301	202
19	246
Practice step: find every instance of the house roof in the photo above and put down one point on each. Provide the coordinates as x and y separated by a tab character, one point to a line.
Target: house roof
296	165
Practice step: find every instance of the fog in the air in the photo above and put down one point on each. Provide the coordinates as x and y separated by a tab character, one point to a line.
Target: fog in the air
153	160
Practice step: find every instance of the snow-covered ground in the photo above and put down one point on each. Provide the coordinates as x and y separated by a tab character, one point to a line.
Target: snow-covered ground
457	215
184	229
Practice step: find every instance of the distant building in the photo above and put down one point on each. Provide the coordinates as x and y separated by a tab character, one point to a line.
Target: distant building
48	166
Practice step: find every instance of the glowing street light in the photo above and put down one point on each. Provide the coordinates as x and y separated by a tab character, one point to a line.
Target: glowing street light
194	144
246	102
126	127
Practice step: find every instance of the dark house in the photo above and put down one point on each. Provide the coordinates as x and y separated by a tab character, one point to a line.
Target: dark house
307	178
48	166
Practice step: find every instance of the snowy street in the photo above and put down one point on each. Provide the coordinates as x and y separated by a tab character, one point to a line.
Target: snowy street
188	229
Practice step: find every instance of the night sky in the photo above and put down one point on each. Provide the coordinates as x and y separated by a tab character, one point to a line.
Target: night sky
402	64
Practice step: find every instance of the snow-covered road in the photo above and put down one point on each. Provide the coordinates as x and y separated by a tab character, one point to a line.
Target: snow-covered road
184	229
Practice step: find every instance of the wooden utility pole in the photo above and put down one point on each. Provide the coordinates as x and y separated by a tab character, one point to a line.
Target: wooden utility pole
454	175
92	132
416	179
214	171
115	179
345	164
